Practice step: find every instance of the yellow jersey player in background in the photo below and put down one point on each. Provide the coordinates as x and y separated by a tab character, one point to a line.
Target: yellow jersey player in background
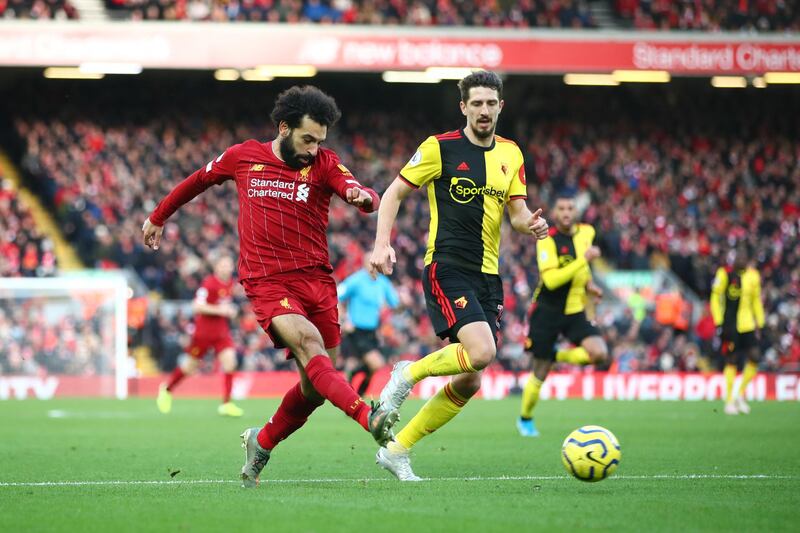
739	316
565	281
471	176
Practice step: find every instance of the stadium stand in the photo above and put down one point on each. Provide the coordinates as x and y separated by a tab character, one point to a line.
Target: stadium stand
24	251
663	189
484	13
710	15
37	9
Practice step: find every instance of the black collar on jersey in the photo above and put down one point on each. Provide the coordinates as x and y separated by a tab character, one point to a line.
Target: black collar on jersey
479	147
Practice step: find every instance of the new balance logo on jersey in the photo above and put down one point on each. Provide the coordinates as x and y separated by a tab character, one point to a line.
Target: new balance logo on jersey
258	167
302	193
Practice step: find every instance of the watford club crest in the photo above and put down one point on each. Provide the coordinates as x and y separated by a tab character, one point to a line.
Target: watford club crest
285	303
461	303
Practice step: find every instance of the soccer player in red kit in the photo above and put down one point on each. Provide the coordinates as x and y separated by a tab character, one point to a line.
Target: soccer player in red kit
213	307
284	189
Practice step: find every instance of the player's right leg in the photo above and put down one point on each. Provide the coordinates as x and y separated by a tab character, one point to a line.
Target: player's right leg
544	327
187	367
730	352
530	397
373	361
750	370
305	342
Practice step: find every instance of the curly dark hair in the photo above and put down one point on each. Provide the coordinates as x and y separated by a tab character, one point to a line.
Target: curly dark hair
296	102
482	78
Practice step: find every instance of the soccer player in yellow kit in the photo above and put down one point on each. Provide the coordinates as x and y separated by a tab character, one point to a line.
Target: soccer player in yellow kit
739	316
565	279
471	176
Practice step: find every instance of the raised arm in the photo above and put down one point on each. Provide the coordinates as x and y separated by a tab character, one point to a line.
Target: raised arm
553	275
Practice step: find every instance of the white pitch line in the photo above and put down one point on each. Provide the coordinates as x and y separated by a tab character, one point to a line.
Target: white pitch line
373	480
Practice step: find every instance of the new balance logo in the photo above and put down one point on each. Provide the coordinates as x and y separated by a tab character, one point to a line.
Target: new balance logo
258	167
302	193
462	166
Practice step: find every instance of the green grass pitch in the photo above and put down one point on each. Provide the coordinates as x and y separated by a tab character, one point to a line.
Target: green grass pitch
685	466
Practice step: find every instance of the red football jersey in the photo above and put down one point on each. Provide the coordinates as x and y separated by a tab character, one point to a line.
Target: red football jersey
214	292
283	212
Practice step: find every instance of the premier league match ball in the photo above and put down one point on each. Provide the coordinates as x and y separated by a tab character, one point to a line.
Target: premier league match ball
591	453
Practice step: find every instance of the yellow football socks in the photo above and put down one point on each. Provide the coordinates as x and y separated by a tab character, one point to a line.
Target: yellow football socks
749	372
450	360
530	395
730	377
574	356
438	411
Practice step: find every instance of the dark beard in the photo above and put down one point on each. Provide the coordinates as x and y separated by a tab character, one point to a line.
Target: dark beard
290	156
482	134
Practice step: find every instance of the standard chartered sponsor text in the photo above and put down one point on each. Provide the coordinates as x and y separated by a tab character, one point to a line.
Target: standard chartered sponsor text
274	189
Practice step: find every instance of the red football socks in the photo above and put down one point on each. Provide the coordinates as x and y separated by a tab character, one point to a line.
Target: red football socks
332	385
290	416
227	385
175	378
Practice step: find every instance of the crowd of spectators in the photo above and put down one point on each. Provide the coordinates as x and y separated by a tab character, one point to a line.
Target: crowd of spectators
24	251
40	336
669	180
711	15
37	9
483	13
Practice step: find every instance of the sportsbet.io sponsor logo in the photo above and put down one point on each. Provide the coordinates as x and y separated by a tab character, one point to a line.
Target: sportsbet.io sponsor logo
463	190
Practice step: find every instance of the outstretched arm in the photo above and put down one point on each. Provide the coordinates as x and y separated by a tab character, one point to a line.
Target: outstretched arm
383	258
215	172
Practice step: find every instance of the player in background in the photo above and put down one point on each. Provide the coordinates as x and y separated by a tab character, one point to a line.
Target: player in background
739	316
559	302
213	307
364	298
284	191
471	175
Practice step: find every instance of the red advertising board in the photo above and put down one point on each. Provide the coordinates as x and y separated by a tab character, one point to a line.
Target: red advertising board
209	46
496	385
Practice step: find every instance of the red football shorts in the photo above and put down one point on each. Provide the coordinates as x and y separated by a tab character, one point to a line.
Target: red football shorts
200	344
311	294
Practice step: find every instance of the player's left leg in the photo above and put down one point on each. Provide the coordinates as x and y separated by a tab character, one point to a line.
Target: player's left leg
544	327
590	348
748	373
438	410
227	360
455	301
